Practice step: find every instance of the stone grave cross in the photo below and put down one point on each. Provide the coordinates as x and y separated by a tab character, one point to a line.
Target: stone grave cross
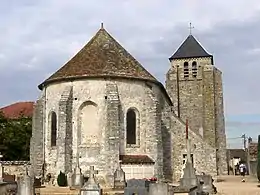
77	177
189	178
92	173
91	187
119	164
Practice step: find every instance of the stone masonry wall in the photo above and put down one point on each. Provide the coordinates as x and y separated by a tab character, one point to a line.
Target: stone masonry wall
131	94
201	102
37	139
190	91
220	124
204	155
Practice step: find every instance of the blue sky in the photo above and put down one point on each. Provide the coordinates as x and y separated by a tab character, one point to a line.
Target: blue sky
38	37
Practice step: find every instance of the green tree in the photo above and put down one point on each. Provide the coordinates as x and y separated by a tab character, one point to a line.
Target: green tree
15	138
258	158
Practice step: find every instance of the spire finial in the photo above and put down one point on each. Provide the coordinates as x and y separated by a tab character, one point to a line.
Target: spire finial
191	27
102	25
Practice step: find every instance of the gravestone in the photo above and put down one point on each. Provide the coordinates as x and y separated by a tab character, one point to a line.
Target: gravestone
189	178
185	190
137	186
25	184
119	178
159	189
37	182
77	176
206	184
69	179
189	183
91	187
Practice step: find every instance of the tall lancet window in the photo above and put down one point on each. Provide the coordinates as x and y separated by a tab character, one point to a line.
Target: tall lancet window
131	127
53	129
194	69
186	69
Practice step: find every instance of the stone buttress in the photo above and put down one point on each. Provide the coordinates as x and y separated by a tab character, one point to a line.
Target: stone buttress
37	139
64	139
154	145
112	130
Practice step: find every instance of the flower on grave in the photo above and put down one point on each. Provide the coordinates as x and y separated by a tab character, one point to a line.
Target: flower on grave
153	179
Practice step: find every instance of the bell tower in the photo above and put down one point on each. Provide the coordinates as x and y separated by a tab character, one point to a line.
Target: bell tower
195	87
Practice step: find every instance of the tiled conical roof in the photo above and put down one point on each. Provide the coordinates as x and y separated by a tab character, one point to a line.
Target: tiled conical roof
190	48
102	56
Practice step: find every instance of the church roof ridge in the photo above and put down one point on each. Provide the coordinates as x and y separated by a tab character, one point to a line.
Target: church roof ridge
101	57
190	48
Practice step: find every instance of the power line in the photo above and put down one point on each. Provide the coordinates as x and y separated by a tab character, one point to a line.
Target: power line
235	138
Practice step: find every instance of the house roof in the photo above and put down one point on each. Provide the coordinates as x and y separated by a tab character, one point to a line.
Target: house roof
136	159
190	48
237	153
18	109
102	57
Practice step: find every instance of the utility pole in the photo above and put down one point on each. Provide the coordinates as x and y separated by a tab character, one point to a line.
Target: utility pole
244	140
246	152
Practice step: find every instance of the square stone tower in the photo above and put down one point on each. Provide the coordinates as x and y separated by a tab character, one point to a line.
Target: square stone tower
195	87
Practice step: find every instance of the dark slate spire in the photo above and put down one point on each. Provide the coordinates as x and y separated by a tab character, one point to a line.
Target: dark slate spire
190	48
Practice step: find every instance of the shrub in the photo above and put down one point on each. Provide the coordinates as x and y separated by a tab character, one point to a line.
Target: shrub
62	179
258	158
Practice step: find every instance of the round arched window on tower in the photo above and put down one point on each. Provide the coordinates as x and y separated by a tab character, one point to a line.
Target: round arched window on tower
194	69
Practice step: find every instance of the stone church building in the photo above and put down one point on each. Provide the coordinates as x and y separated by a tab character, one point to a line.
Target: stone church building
103	107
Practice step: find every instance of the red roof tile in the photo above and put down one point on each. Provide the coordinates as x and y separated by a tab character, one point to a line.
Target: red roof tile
135	159
15	110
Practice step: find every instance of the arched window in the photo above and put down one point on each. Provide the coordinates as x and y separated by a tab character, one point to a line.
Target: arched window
89	131
131	127
194	69
186	69
53	129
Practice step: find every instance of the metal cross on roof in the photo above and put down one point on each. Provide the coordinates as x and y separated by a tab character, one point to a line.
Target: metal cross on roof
191	27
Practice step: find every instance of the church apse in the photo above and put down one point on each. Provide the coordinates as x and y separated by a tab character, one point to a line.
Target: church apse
88	124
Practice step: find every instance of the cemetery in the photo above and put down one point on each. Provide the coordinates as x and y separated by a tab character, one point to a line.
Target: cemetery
77	183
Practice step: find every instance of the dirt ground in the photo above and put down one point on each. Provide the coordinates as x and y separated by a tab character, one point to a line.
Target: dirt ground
232	185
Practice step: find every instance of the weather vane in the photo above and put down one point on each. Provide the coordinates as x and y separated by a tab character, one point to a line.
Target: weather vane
191	27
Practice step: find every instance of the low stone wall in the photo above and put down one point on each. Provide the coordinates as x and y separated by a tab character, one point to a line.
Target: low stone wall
16	168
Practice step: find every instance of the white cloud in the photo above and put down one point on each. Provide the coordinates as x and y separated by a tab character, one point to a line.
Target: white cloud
40	36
